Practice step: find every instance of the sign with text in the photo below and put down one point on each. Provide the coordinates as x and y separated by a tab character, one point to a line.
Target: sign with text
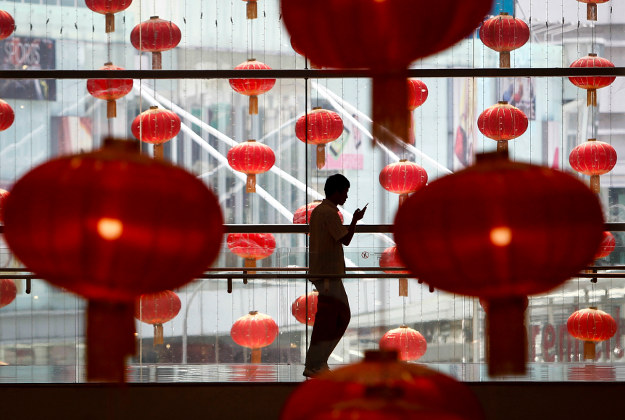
26	53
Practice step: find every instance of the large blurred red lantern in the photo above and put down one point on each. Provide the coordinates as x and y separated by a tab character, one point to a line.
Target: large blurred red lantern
108	8
503	34
593	158
8	291
591	8
302	214
323	127
255	331
417	94
109	89
7	24
252	87
390	258
157	309
591	325
409	343
252	246
251	9
403	178
381	387
592	83
304	308
502	122
500	230
155	35
110	226
251	158
384	36
607	245
156	126
4	194
7	116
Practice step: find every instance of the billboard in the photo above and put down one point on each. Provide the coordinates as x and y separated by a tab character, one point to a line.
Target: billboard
27	53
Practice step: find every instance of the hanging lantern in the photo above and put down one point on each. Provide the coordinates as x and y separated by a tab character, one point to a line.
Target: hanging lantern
252	87
593	158
591	8
251	158
607	245
381	387
591	325
323	127
408	343
384	36
155	35
503	34
109	89
157	309
298	51
501	255
417	94
255	331
302	214
156	126
108	8
8	291
252	247
7	24
7	116
110	226
403	178
4	194
502	122
390	258
252	9
592	83
304	308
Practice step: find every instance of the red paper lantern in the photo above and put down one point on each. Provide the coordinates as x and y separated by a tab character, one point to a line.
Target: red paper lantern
302	214
323	127
4	194
502	122
109	89
255	331
593	158
155	35
7	24
403	178
252	87
157	309
474	237
381	387
304	308
592	83
591	325
298	51
108	8
408	343
7	116
112	225
390	258
252	9
252	246
251	158
385	36
607	245
591	8
156	126
8	291
503	34
417	94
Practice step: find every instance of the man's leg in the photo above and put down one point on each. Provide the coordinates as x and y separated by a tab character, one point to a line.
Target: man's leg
342	316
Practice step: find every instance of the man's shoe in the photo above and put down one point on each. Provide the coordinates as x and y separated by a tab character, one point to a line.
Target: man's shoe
314	372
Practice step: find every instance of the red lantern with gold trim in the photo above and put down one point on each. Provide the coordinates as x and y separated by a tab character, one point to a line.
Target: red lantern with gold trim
591	325
593	158
252	87
251	158
504	33
407	342
7	24
109	89
403	178
607	245
302	214
110	226
8	292
304	308
501	255
251	246
7	116
108	8
591	8
592	83
156	126
323	127
155	35
502	122
157	309
255	331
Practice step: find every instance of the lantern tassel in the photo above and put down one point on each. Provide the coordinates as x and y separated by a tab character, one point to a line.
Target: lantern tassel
250	263
253	105
591	97
321	156
391	117
157	60
589	350
110	339
411	137
252	10
402	198
595	184
158	334
591	11
502	145
506	343
504	59
159	151
256	355
109	19
111	109
250	185
403	287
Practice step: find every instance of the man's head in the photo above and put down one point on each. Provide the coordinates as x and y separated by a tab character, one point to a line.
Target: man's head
336	189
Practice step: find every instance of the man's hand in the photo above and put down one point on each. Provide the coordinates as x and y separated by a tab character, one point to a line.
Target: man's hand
359	214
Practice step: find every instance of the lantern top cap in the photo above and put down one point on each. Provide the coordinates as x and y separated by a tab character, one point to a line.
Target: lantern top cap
316	108
592	54
381	356
153	17
502	102
250	140
153	107
594	308
108	63
592	139
491	156
251	59
504	14
253	312
404	326
112	143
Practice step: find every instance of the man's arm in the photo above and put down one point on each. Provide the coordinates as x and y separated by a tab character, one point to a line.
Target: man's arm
358	215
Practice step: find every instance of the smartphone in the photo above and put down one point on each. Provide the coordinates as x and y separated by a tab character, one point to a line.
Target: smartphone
365	206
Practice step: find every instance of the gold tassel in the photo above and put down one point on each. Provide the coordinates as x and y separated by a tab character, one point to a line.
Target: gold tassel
111	109
402	198
253	105
506	339
591	11
391	117
157	63
256	353
502	145
591	97
595	185
249	263
252	10
250	185
589	350
321	156
403	287
504	59
159	151
158	334
109	19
